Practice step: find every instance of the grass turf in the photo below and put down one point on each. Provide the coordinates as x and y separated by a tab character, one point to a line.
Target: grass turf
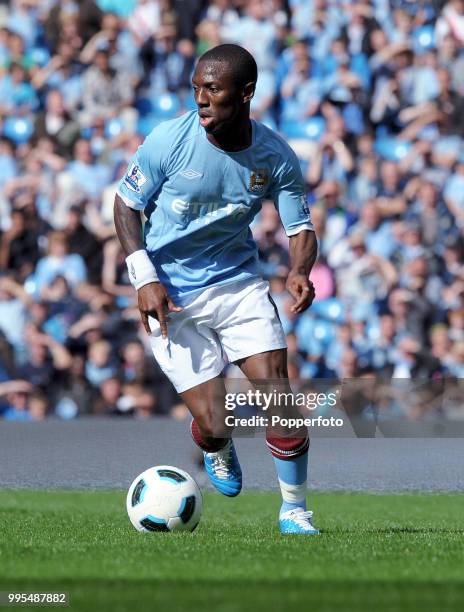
376	552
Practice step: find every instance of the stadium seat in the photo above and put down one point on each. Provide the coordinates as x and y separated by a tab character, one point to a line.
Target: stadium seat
323	332
30	285
86	132
66	408
269	122
166	106
40	56
113	128
144	106
330	309
311	129
147	123
314	334
391	148
309	370
189	103
423	38
18	129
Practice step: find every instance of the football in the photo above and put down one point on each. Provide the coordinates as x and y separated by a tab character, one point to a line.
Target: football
164	498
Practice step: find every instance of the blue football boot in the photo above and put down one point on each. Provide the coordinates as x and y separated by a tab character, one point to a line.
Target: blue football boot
297	521
224	470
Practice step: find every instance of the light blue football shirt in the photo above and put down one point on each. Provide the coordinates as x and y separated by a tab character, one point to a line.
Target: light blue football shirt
199	202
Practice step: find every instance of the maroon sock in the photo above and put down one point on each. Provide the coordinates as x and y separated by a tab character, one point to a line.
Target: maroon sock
287	448
212	446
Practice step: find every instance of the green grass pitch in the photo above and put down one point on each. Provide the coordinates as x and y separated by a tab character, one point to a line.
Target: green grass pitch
376	552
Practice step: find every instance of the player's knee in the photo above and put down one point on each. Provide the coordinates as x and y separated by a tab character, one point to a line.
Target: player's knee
277	365
268	365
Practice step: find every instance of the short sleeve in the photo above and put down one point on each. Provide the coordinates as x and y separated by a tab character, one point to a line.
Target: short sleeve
290	198
145	173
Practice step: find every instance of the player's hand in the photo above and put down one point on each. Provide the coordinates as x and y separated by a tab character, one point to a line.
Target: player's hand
154	301
302	290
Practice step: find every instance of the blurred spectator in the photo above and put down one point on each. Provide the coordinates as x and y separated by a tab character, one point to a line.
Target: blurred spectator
16	401
322	278
451	22
45	359
14	302
456	321
107	93
63	308
62	73
38	406
110	390
59	262
412	361
83	177
455	361
145	20
115	277
332	162
19	249
383	346
16	92
256	31
222	12
85	12
167	63
56	123
76	396
83	242
99	365
454	195
368	278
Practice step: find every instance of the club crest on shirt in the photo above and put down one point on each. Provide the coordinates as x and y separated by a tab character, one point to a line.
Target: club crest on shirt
258	181
135	178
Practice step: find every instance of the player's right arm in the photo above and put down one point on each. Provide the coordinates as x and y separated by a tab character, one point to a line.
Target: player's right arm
143	178
153	299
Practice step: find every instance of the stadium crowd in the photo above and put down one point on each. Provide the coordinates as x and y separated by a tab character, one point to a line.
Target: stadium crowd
369	94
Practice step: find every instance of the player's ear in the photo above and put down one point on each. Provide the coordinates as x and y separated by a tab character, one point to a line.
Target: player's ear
249	91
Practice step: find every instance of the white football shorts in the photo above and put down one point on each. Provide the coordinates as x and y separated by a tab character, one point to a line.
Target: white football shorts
223	324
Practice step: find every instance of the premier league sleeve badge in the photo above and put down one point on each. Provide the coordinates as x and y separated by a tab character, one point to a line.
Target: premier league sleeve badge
135	178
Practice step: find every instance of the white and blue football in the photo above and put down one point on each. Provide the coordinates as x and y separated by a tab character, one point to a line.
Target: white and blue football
164	498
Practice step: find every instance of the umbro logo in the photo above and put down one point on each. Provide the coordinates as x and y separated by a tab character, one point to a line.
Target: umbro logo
191	174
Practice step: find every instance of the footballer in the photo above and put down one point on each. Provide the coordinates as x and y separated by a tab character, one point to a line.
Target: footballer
200	179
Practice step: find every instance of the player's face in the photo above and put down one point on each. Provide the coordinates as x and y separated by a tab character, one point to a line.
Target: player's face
221	103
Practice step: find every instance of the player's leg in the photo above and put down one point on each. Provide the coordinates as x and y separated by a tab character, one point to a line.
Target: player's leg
192	358
206	404
288	448
252	337
201	336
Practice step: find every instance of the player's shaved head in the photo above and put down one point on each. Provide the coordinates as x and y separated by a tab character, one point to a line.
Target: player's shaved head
223	85
236	60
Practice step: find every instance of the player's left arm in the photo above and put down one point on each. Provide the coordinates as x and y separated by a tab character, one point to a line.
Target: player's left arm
303	253
290	199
